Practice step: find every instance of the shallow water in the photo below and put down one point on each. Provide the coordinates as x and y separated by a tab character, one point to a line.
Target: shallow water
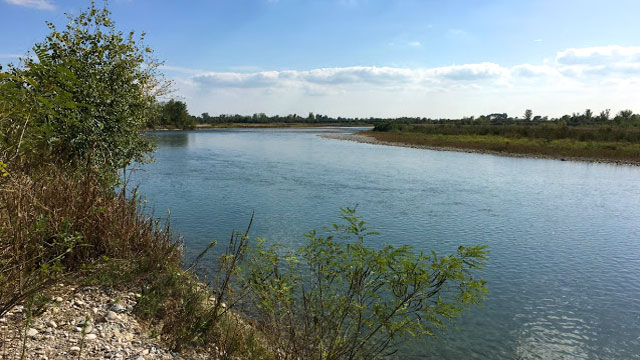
564	270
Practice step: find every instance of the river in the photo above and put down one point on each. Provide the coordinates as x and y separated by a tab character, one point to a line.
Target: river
564	269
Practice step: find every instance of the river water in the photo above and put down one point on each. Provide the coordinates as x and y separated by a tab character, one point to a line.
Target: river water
564	269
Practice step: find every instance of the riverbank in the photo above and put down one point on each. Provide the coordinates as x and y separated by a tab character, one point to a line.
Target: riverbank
84	322
382	138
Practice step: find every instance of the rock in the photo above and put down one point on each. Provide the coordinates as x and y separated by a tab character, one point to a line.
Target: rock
118	308
53	324
91	336
111	315
58	299
140	358
32	332
74	350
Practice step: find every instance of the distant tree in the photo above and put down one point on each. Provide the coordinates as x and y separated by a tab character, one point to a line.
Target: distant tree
604	114
588	114
174	113
625	115
528	114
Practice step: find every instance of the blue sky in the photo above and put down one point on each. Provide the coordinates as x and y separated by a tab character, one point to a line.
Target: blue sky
375	57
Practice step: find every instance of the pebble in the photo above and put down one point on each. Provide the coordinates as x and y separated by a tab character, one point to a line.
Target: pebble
67	329
111	315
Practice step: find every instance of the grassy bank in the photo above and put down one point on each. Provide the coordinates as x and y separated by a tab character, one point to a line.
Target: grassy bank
62	227
529	141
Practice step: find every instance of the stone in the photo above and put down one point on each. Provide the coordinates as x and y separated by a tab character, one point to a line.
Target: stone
32	332
91	336
111	315
53	324
74	350
118	308
58	299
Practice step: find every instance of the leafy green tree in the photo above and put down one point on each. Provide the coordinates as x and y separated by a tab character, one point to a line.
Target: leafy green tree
340	298
528	114
25	105
117	84
174	113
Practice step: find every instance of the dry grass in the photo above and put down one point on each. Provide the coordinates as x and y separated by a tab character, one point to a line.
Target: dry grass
54	223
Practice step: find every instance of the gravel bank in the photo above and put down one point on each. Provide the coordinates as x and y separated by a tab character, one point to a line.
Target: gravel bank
82	323
371	140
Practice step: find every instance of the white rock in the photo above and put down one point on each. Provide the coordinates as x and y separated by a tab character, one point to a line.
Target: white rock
91	336
74	350
53	324
32	332
111	315
59	299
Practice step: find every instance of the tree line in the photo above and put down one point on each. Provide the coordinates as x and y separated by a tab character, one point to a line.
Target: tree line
174	113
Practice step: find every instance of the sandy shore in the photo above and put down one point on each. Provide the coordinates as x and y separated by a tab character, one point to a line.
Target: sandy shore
361	138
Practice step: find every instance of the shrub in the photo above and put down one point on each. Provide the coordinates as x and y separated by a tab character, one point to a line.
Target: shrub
339	298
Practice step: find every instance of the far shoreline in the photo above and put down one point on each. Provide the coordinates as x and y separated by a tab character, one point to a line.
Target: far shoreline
368	139
260	126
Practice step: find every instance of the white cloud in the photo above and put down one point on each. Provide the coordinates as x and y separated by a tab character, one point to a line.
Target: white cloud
599	55
34	4
414	43
602	77
469	72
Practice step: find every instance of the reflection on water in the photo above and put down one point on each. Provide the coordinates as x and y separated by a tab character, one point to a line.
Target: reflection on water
170	139
564	236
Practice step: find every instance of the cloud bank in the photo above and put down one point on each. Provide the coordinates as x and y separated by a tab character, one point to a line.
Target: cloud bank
34	4
606	76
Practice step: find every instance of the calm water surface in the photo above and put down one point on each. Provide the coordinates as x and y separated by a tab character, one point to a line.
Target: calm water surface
564	270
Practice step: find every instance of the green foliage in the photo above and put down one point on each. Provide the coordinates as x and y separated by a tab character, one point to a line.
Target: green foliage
173	113
339	298
110	83
24	103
